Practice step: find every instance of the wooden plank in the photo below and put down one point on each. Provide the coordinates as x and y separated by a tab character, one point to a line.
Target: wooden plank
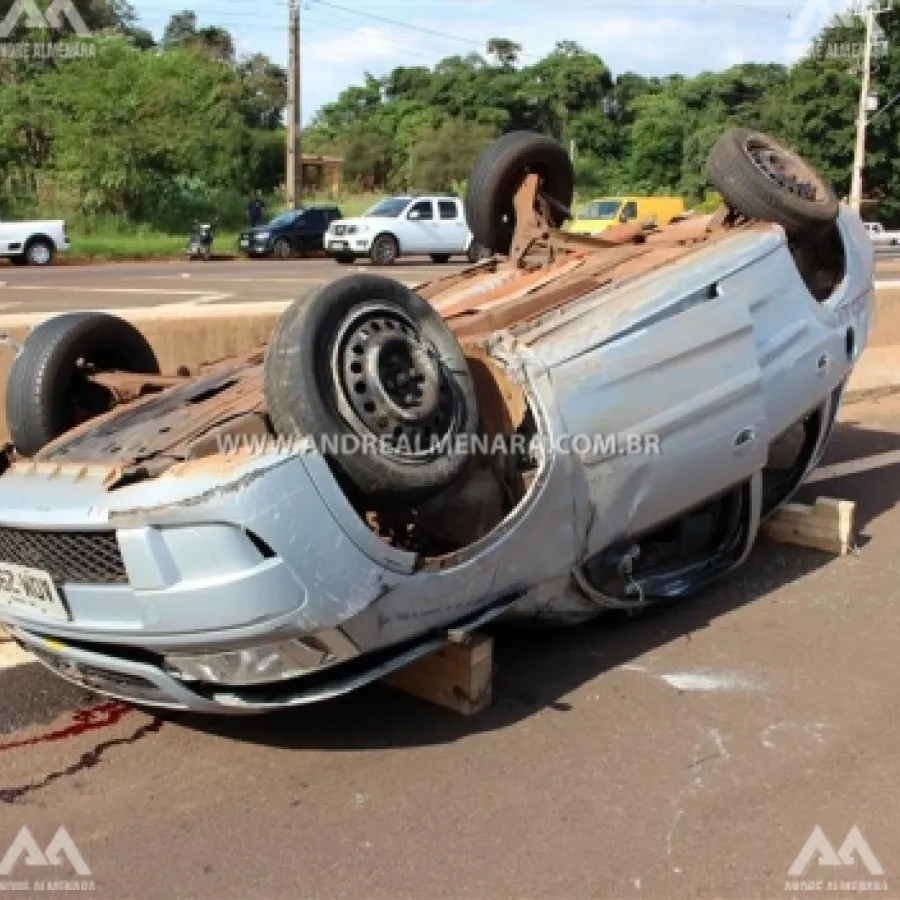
827	525
458	677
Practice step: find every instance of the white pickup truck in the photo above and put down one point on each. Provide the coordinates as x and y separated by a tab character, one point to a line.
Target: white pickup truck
879	235
33	243
404	226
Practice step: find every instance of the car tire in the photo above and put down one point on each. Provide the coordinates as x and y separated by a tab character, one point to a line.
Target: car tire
45	396
345	260
440	258
39	252
321	381
385	250
476	252
498	174
281	249
753	173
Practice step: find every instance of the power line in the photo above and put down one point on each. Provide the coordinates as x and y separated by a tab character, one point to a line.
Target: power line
418	28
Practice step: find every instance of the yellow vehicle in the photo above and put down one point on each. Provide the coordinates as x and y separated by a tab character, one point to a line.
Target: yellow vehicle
598	215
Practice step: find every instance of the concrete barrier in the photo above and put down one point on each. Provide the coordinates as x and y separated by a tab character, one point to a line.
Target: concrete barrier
185	336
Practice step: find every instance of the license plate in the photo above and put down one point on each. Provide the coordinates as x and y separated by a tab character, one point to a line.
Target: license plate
30	590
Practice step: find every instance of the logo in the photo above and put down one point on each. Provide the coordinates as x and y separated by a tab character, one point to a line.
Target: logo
818	853
52	18
26	850
841	16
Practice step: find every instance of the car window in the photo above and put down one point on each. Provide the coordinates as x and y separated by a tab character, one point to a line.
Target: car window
629	210
423	208
389	208
448	209
600	209
285	218
315	218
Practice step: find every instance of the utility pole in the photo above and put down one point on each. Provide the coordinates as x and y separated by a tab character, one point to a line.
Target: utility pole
859	155
294	161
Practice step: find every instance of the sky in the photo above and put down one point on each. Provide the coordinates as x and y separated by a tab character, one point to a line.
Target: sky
342	40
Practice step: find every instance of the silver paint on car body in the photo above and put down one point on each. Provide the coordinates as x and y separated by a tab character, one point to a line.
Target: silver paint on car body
716	355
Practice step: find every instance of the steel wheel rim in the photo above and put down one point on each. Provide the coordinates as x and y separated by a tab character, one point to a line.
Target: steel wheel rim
390	383
40	254
384	250
785	169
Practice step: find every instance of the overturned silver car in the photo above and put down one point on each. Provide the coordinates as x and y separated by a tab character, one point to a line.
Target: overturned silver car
572	425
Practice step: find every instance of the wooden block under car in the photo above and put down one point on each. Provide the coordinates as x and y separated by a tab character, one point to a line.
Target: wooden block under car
827	525
458	677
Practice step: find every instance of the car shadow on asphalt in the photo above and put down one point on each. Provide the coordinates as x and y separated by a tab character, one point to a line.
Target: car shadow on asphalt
538	668
875	490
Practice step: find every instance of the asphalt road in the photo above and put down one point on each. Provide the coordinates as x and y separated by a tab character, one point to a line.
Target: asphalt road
126	285
684	754
121	286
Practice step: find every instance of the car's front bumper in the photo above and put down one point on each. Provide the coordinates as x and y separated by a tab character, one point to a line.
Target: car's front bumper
255	247
145	680
152	683
347	244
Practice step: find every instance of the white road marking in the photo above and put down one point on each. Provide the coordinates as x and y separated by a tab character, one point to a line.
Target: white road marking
706	681
855	466
893	284
198	300
101	290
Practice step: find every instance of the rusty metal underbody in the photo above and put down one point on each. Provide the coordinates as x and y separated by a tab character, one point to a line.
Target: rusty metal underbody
546	270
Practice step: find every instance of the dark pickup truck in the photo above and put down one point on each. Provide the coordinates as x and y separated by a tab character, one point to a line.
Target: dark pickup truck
294	231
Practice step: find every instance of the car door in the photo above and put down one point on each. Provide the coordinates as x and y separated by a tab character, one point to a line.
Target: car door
310	230
680	379
629	212
452	232
7	235
419	228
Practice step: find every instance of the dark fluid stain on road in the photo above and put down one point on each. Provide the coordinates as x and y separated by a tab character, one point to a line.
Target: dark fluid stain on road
84	720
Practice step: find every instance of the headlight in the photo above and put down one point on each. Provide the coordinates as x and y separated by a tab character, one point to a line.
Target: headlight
263	235
254	665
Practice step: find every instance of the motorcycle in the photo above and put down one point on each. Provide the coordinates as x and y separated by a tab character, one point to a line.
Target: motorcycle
200	242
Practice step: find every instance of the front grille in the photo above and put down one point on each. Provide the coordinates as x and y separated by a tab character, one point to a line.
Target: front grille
77	557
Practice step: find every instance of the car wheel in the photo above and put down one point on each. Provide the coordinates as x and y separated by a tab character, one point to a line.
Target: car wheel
282	249
761	179
345	260
440	258
476	252
384	250
47	394
498	174
39	252
372	367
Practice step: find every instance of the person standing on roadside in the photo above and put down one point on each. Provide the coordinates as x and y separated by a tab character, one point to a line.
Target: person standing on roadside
255	210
